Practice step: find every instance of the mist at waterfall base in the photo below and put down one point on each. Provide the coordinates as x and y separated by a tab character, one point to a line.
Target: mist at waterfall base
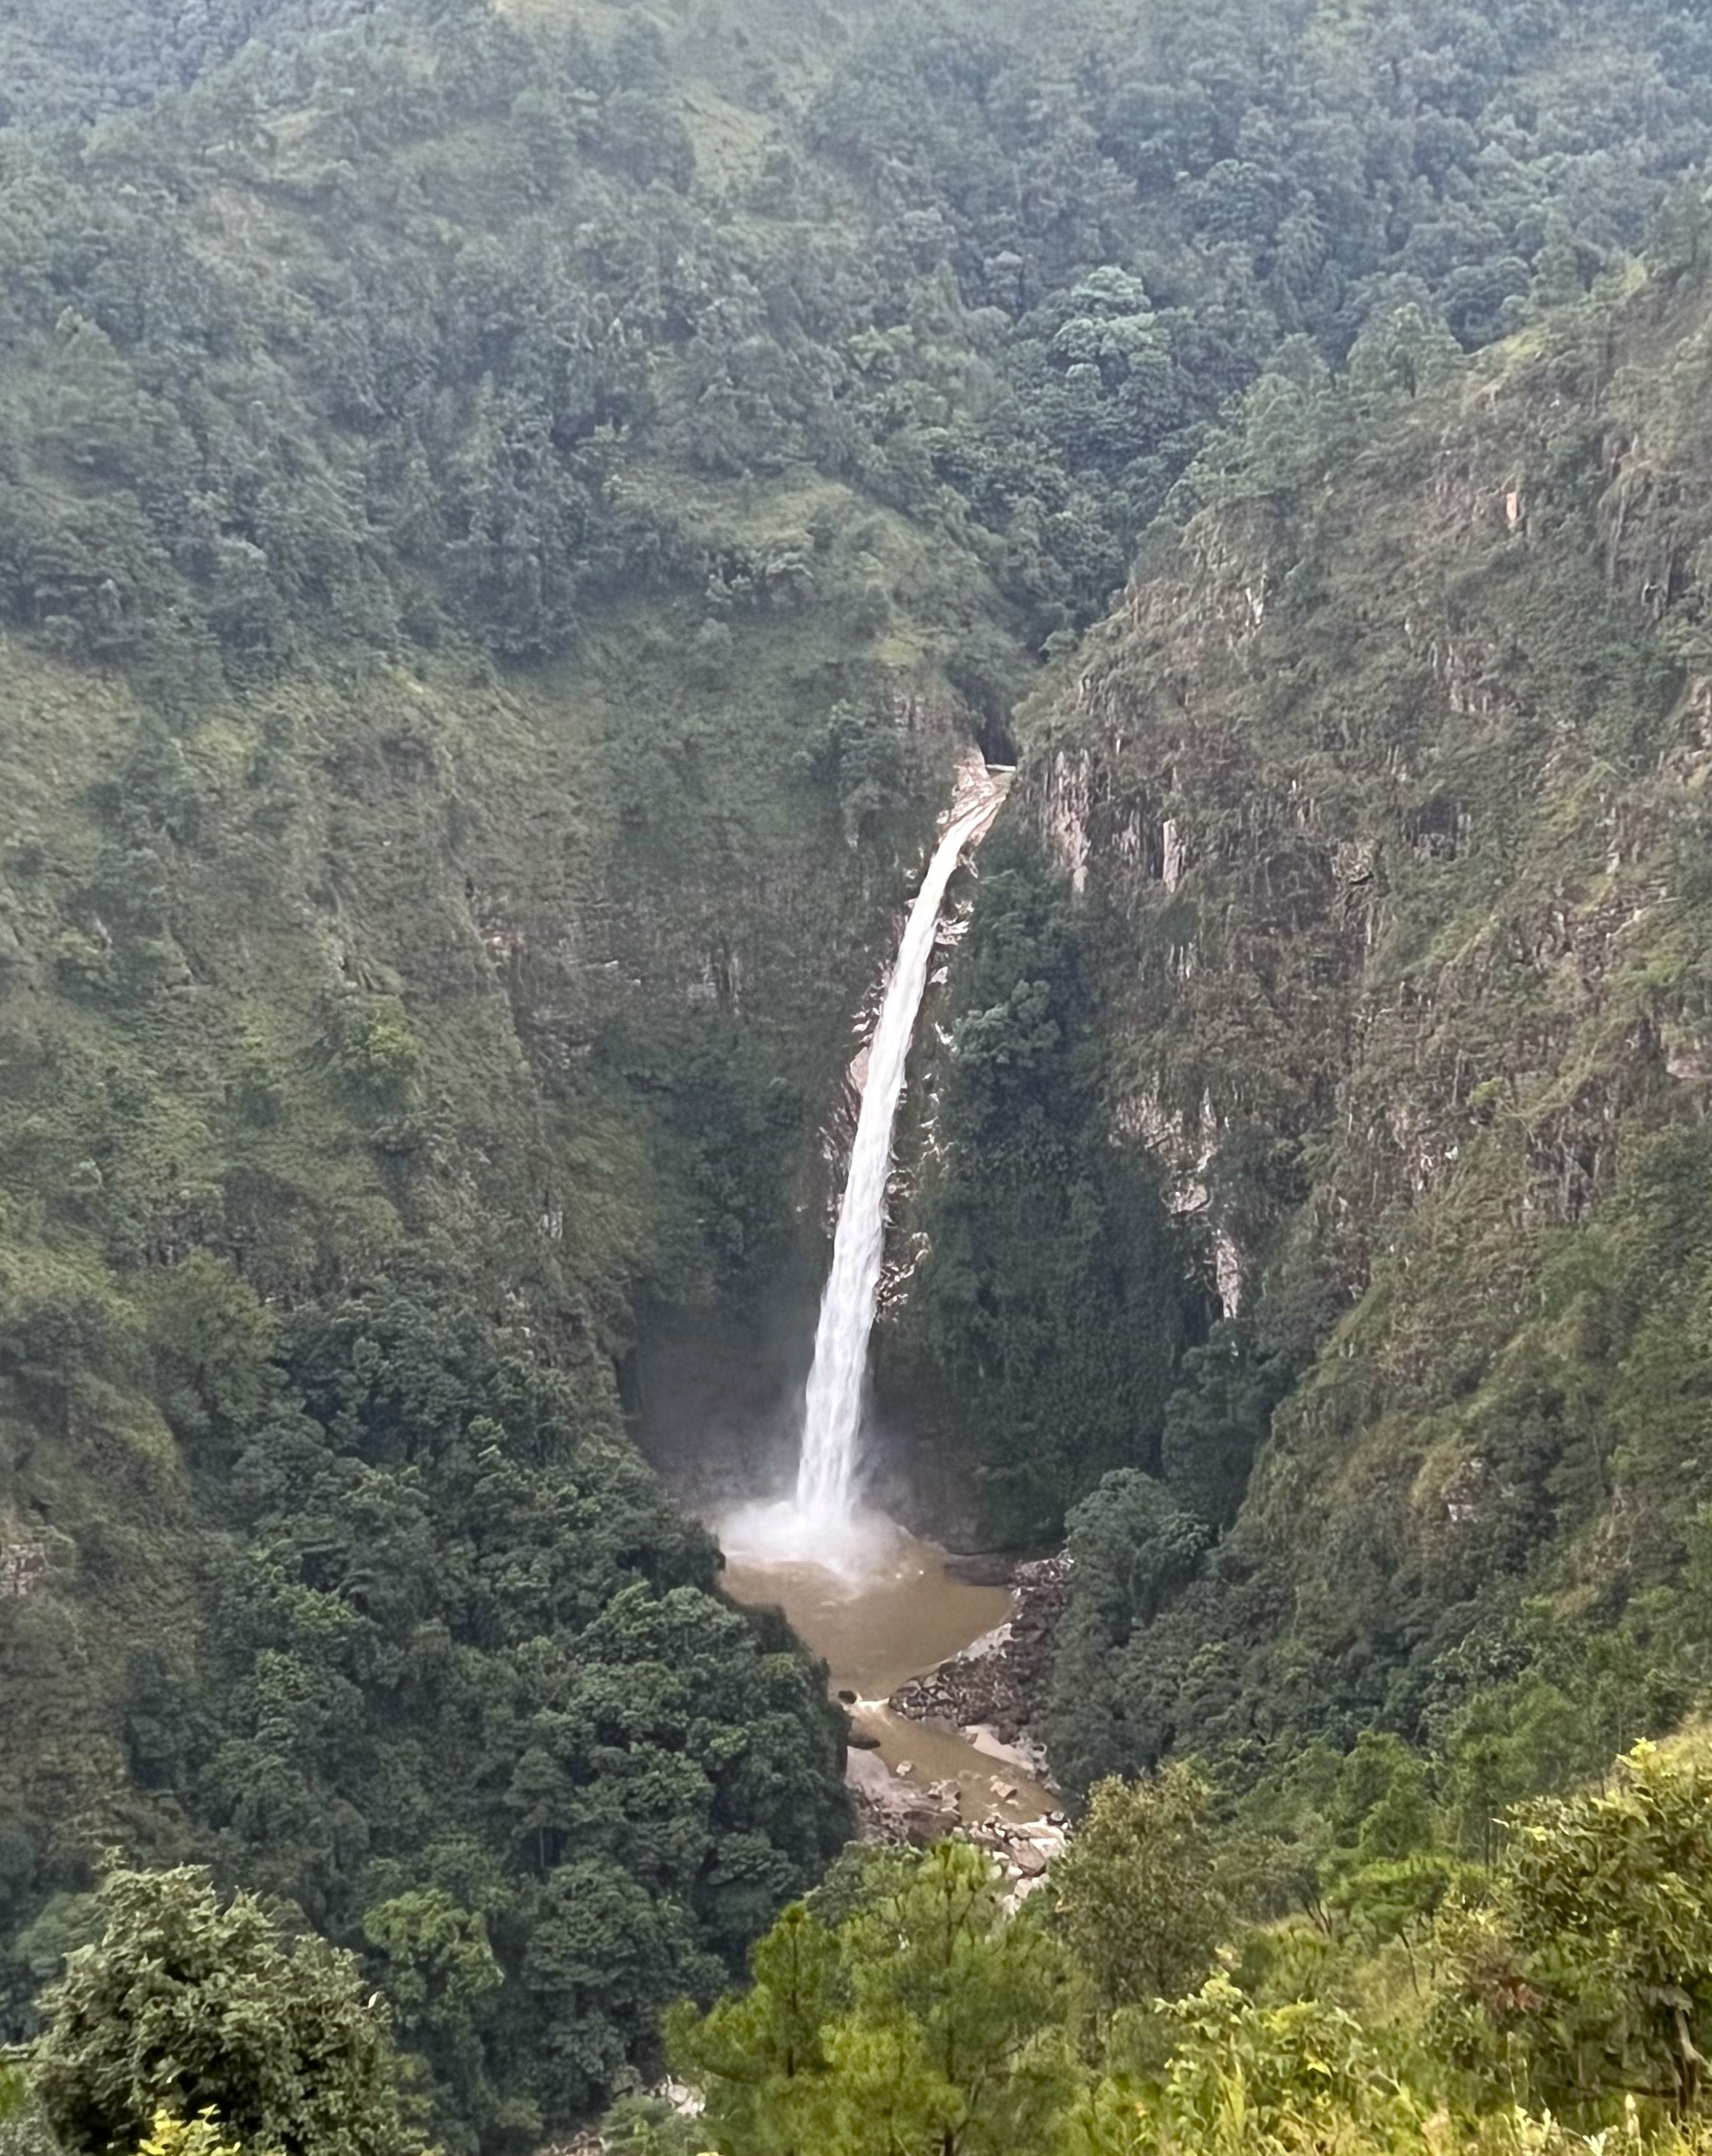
823	1521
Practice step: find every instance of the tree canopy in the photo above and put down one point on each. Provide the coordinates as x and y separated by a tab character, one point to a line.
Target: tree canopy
1529	2012
189	2005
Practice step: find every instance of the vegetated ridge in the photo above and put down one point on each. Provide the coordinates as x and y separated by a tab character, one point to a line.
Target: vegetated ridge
1383	799
503	522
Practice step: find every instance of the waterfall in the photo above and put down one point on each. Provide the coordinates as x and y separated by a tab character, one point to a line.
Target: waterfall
831	1419
822	1524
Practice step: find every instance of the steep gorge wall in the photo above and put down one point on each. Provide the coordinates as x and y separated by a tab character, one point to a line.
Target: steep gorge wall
536	984
1392	779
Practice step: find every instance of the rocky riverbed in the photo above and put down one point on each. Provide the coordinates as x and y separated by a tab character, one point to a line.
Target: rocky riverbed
995	1690
991	1694
891	1806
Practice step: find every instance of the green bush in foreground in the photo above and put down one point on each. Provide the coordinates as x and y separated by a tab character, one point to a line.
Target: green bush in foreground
1556	2002
204	2010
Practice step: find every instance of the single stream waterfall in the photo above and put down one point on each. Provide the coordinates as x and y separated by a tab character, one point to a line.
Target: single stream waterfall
827	1479
878	1605
823	1523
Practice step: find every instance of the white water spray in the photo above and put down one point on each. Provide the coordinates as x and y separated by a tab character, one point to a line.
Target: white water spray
823	1524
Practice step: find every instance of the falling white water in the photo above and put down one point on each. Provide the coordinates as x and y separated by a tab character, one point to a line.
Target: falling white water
823	1524
831	1421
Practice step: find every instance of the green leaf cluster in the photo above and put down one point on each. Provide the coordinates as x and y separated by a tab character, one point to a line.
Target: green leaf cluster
925	2020
1039	1343
202	2009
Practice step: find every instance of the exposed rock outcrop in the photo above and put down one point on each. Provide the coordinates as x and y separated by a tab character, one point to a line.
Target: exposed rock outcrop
892	1807
998	1686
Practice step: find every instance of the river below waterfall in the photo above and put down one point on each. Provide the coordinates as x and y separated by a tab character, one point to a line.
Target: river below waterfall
900	1620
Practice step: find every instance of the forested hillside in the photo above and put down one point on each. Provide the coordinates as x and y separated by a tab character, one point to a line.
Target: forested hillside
1186	1981
1382	801
507	518
394	323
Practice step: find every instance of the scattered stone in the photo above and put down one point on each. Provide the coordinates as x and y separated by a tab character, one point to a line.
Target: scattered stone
1000	1683
1027	1756
888	1809
905	1768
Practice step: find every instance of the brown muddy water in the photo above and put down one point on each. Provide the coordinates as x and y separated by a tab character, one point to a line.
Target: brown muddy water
898	1620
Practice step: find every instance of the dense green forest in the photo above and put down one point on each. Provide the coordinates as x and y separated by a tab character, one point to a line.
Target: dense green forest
506	519
1424	1069
1192	1979
395	325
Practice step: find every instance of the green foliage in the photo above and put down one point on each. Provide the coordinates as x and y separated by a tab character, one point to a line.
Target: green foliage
60	66
1563	1985
1590	1963
1302	2075
923	2021
1139	1898
1188	204
729	1125
313	1566
24	2132
375	1053
214	1343
1220	1413
649	2126
190	2005
465	1692
1132	1549
763	377
1468	1219
201	2136
1380	1805
1016	332
257	1089
1040	1337
470	1698
859	759
435	1964
763	2058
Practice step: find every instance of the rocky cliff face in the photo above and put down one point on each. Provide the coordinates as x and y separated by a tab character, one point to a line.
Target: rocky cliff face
1393	781
1392	777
